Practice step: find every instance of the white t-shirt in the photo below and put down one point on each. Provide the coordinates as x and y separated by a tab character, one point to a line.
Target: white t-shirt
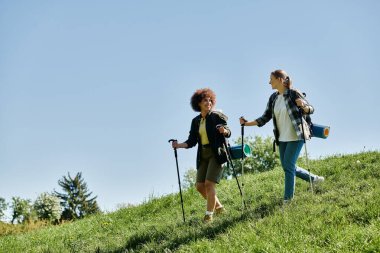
284	124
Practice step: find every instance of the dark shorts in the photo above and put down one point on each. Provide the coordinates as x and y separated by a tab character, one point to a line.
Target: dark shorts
209	169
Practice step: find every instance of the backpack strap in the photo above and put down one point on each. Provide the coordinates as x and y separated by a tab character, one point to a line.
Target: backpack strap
305	116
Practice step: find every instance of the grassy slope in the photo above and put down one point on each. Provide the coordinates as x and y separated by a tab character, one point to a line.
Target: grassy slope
342	216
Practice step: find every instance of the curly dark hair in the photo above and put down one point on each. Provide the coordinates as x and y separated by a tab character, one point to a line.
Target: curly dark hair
199	95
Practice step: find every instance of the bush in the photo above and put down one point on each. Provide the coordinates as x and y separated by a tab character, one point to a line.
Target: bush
21	210
190	178
48	207
262	156
3	207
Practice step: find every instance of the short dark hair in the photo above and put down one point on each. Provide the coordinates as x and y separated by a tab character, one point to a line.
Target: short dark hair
199	95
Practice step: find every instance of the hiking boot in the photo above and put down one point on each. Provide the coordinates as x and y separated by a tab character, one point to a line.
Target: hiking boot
208	218
220	210
285	204
318	180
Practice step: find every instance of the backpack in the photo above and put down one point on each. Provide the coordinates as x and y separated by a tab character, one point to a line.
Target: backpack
306	117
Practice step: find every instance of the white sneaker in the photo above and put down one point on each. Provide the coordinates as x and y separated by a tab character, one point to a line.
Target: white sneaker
208	218
318	180
285	204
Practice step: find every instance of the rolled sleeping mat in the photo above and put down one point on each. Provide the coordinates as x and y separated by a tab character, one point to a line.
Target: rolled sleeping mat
236	153
320	131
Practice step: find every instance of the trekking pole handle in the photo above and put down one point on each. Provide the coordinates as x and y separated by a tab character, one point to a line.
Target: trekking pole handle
218	128
242	117
173	140
175	149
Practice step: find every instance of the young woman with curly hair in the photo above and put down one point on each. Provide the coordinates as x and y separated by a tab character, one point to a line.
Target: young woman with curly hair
209	130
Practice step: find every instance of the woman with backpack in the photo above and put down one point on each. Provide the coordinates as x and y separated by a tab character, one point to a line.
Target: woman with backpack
209	130
285	107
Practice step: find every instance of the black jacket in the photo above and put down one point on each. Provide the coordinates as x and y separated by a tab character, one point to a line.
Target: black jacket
216	139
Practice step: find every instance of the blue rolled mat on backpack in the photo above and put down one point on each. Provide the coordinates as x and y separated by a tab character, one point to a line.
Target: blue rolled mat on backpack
320	131
236	153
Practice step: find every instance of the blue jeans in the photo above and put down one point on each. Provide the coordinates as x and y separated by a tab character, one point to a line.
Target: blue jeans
289	152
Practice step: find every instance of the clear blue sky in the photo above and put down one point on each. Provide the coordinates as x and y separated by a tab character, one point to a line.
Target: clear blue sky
100	86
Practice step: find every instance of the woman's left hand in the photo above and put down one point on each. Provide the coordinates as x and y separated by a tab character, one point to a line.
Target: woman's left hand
300	102
222	130
303	105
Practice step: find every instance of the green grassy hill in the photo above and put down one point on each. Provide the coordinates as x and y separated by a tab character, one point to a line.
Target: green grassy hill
343	215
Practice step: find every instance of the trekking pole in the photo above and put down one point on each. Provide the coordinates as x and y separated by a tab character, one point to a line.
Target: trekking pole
306	155
229	163
242	156
179	180
226	146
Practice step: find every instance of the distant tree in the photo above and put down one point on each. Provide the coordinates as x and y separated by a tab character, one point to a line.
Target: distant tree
75	199
262	156
48	207
190	178
3	207
21	210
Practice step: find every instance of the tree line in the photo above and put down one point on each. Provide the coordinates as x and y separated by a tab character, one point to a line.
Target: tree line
74	202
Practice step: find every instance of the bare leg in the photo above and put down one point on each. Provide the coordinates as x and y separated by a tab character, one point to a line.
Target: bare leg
201	187
211	195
